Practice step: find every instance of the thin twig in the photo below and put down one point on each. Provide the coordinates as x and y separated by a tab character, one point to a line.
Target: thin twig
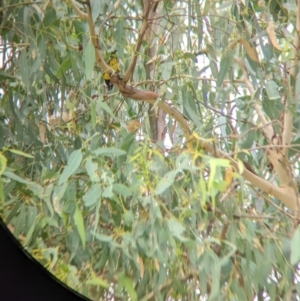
268	130
79	12
141	34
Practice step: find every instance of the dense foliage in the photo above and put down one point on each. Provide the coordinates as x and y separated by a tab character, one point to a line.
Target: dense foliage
113	194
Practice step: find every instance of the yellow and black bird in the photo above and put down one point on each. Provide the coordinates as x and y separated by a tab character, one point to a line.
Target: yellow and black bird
114	64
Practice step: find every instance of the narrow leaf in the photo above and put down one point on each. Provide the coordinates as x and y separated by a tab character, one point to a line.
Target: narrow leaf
92	196
18	152
272	90
295	245
176	229
73	163
92	170
13	176
215	275
78	220
89	60
93	113
3	162
250	50
166	182
108	151
225	65
98	282
24	68
272	35
122	190
128	285
106	108
194	116
297	92
29	234
102	237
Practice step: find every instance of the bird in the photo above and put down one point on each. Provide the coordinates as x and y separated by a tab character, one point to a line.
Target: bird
114	64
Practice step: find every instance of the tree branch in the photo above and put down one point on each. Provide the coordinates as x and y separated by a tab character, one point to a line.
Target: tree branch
150	50
130	70
94	39
286	195
80	13
108	17
275	155
151	98
127	90
267	128
288	116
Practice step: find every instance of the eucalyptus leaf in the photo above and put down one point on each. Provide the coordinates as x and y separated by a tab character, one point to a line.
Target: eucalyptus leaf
109	151
295	243
73	163
89	60
79	223
92	196
121	189
166	182
272	90
3	162
102	237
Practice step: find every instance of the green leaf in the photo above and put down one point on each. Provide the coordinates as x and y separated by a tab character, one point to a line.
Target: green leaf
128	141
214	163
272	90
51	254
79	223
295	246
34	187
24	69
97	7
166	70
103	257
73	163
18	152
92	168
4	75
29	234
105	107
63	68
108	193
93	113
57	194
49	221
225	65
92	196
176	229
13	176
191	113
166	182
126	282
3	162
73	242
120	36
215	275
49	72
297	88
20	220
102	237
122	190
128	218
89	60
109	151
95	280
2	196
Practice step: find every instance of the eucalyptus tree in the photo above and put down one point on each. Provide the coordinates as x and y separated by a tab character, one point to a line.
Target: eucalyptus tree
179	183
